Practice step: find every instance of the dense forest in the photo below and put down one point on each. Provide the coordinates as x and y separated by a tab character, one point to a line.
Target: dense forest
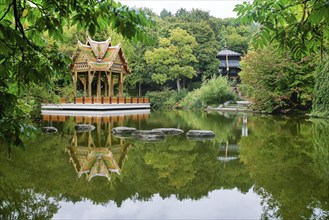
172	55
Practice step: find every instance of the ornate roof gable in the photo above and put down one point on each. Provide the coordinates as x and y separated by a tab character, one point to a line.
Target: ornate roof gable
99	56
99	48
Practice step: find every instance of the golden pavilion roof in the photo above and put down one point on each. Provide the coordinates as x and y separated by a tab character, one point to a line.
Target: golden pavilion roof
99	56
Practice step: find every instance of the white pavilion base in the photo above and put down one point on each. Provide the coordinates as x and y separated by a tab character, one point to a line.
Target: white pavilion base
95	113
71	106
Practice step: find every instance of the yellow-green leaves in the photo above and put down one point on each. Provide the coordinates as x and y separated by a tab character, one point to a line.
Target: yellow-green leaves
25	11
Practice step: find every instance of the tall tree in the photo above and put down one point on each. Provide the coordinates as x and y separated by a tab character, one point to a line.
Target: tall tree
164	13
235	38
206	49
141	71
198	24
173	58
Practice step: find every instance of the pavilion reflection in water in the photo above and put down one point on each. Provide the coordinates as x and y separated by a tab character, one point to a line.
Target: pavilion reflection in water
94	119
97	153
228	152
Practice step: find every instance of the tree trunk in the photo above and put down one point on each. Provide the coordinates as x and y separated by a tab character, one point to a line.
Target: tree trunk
28	93
184	83
139	89
178	84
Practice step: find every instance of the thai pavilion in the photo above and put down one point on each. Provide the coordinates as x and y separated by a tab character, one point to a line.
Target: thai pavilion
102	61
92	155
100	69
229	63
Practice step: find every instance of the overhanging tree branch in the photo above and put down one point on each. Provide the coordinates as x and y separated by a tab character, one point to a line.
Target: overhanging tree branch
20	27
8	9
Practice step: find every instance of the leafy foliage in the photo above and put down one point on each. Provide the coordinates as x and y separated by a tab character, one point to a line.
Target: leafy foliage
142	73
298	26
320	106
198	24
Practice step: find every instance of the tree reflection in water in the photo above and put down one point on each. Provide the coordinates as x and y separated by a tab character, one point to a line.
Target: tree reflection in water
23	203
284	160
288	160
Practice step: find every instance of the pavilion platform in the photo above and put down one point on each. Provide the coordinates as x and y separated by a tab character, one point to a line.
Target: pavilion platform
99	104
94	116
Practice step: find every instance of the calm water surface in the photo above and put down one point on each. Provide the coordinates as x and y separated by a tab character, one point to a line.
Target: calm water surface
256	167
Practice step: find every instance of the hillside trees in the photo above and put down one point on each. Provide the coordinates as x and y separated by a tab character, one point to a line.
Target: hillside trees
203	27
208	33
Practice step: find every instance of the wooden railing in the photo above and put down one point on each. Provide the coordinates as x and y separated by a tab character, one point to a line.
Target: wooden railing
107	100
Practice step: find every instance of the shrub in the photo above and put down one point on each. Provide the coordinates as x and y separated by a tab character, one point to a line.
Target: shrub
213	92
166	99
159	98
275	82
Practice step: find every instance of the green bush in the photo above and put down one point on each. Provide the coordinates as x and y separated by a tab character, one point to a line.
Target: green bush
276	83
213	92
320	106
166	99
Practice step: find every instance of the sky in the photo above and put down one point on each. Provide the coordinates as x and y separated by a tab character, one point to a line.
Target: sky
216	8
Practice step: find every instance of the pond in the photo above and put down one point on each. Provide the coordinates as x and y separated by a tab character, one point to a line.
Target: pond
255	167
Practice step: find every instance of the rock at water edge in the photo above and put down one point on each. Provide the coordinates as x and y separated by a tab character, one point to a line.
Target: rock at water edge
169	131
123	130
84	127
200	133
49	130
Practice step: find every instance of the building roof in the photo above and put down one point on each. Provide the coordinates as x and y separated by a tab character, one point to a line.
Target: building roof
99	56
227	52
231	64
93	162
